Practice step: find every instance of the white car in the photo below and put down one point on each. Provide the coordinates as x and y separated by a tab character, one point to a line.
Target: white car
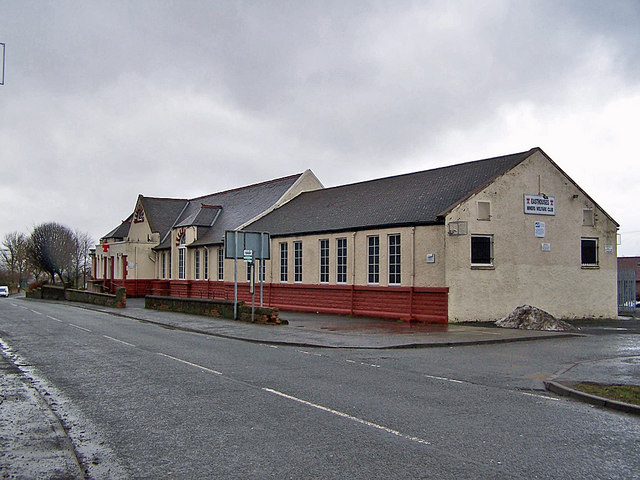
4	291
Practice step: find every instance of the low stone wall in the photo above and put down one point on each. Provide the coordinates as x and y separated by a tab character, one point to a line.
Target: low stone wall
212	308
51	292
119	300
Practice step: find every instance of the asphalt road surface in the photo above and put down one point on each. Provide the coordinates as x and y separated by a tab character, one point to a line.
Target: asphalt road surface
142	401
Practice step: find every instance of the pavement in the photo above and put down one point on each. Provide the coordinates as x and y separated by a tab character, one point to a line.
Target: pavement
43	450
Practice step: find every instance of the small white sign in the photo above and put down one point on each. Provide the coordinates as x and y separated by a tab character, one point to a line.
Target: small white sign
540	229
539	204
546	247
248	255
131	264
431	258
608	248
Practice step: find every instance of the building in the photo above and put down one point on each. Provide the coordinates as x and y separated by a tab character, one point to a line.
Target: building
466	242
150	245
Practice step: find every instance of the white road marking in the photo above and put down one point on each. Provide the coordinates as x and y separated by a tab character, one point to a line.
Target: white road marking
119	341
349	417
540	396
189	363
444	378
54	318
363	363
79	327
37	313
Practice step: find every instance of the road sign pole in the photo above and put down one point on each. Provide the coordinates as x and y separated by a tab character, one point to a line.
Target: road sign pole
235	280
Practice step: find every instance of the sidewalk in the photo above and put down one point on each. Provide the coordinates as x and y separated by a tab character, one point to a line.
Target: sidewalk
332	331
614	371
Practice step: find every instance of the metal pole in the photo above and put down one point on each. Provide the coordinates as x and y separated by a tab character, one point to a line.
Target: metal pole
261	265
235	278
253	290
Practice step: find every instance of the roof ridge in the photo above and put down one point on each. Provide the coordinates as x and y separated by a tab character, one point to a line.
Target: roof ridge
426	170
247	186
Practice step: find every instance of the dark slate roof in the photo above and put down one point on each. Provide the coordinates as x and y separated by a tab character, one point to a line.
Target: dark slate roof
161	213
241	205
410	199
121	231
215	213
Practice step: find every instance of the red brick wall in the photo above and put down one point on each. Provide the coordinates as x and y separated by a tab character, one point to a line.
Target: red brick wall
406	303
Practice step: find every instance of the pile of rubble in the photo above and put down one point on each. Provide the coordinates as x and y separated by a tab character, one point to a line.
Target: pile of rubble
531	318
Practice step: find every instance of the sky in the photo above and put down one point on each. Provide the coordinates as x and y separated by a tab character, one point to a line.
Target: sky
105	100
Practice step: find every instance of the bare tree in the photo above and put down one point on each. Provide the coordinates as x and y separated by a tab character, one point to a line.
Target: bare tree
81	259
52	248
15	256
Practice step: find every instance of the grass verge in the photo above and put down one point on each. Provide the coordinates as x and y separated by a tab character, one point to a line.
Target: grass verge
622	393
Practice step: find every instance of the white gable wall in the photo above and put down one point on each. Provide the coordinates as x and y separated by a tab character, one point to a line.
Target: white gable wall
522	273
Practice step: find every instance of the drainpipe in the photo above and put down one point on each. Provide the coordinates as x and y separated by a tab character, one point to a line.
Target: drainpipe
353	270
413	271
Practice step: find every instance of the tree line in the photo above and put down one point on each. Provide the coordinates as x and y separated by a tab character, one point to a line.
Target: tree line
51	252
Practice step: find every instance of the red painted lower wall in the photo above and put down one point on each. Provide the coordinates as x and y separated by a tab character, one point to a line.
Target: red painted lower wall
424	304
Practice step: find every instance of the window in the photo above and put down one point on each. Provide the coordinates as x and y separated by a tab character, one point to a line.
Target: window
394	259
284	266
169	264
373	259
164	265
341	260
324	261
482	250
297	261
589	252
197	264
220	263
182	250
588	217
206	263
484	211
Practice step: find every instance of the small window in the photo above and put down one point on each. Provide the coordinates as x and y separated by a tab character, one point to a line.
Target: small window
373	259
588	217
196	258
297	262
220	263
394	259
324	261
206	263
589	252
284	262
482	250
484	211
341	260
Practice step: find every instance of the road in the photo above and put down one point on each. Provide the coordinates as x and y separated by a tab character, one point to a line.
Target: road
144	401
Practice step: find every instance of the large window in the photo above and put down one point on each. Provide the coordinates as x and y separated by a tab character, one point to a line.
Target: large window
589	252
196	258
169	264
324	261
373	259
206	263
341	260
164	265
297	261
284	262
482	250
394	259
220	263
